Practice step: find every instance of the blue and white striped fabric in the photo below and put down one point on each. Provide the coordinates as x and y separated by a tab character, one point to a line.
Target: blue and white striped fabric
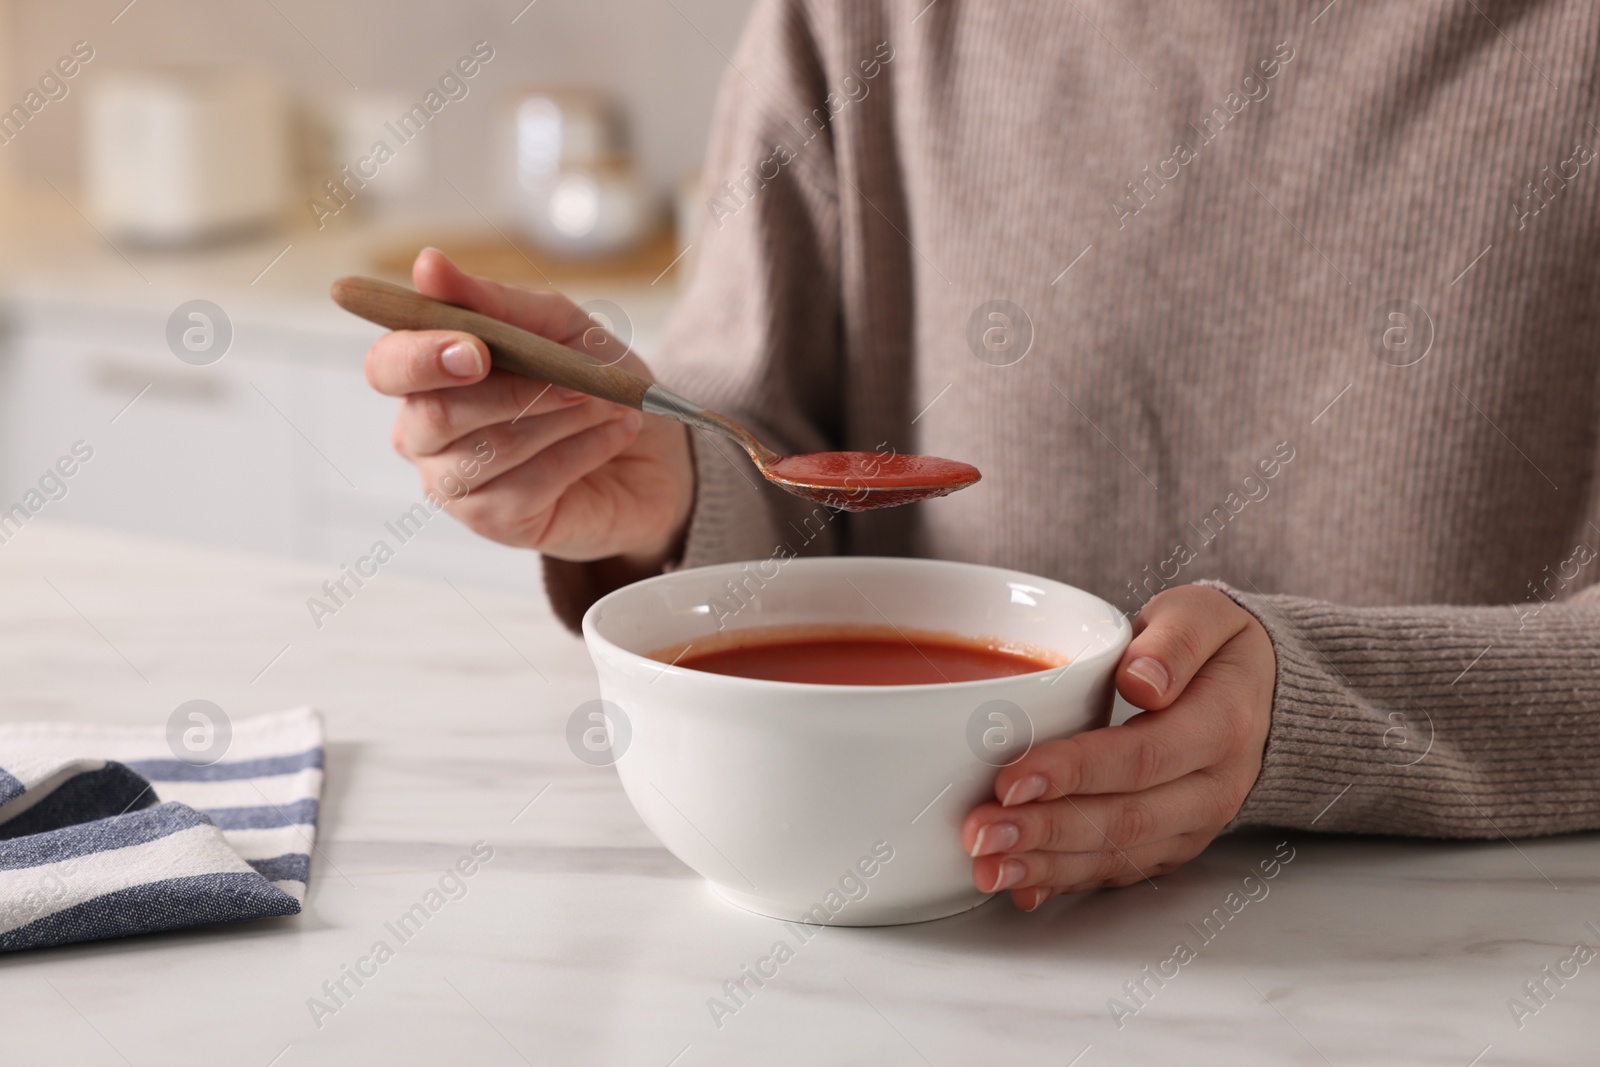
104	834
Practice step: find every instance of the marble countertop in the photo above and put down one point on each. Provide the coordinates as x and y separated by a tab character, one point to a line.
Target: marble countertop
583	942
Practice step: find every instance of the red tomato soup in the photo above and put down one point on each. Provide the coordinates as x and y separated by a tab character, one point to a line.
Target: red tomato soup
848	469
862	656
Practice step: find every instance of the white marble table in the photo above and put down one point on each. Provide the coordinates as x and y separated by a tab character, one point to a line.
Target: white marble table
583	942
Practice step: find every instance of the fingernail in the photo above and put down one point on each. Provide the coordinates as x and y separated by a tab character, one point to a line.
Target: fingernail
1150	672
564	393
1039	898
1025	789
631	421
1011	872
462	359
996	837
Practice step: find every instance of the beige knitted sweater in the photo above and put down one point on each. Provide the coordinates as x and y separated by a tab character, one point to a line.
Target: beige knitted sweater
1304	304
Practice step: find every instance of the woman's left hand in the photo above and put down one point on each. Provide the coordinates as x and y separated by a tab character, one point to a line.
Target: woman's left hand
1123	804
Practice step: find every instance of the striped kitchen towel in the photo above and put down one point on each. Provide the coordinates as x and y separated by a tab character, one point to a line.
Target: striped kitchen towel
104	833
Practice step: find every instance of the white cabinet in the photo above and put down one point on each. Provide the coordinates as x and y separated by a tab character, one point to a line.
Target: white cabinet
279	447
180	450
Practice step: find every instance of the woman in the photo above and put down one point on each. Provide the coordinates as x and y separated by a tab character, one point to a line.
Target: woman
1271	324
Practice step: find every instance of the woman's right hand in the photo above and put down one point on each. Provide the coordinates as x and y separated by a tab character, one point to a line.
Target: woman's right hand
571	476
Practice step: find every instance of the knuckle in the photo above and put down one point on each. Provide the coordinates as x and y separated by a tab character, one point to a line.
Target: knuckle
1052	829
558	307
536	529
1132	824
1149	763
568	307
1242	621
1191	844
466	507
397	438
426	478
486	445
1230	792
487	517
390	363
433	415
371	363
1106	866
1233	722
476	514
1059	763
1182	644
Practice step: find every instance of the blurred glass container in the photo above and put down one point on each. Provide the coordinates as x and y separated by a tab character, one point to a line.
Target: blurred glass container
178	155
379	171
578	192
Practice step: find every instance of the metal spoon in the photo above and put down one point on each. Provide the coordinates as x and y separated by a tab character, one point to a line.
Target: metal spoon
849	481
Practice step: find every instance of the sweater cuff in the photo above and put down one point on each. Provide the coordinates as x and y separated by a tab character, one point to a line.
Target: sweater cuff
1314	747
1401	720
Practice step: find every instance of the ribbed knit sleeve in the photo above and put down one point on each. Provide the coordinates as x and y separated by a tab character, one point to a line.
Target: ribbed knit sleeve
1430	721
756	334
1299	299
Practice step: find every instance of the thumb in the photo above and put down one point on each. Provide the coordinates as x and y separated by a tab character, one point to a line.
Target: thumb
1175	634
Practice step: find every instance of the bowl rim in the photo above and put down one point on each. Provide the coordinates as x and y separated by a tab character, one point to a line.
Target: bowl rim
593	638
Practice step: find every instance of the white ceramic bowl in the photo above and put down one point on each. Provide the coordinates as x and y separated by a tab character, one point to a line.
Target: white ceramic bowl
831	803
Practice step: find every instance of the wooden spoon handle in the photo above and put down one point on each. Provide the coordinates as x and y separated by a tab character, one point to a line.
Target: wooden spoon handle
511	348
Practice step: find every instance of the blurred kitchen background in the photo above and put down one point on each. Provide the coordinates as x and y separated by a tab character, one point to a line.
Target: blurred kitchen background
181	179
